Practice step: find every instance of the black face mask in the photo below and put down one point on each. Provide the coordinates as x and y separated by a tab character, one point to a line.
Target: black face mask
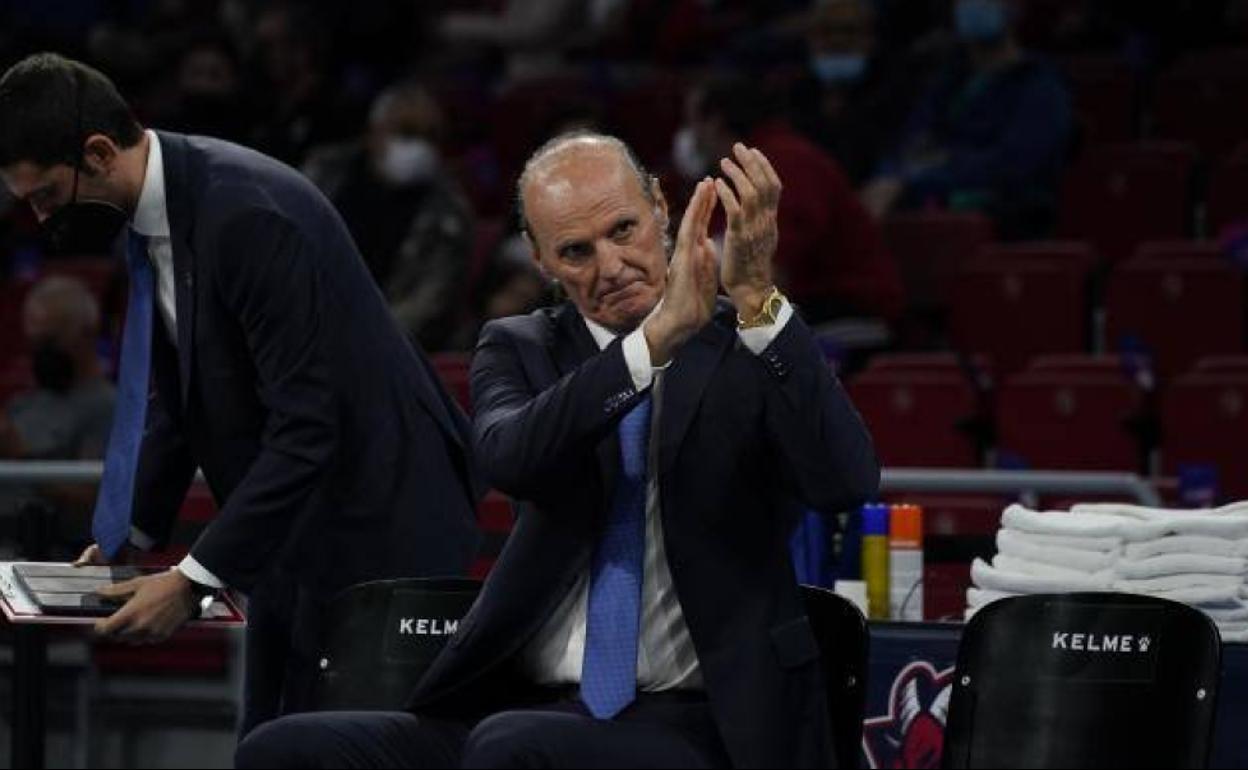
53	368
83	227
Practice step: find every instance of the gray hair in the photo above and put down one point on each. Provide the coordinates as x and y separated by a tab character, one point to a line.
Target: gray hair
68	300
579	137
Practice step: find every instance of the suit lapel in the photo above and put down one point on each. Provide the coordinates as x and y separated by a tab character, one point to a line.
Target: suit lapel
173	149
573	346
684	382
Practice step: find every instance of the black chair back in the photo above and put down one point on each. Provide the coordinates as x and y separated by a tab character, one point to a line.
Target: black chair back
381	638
841	631
1084	680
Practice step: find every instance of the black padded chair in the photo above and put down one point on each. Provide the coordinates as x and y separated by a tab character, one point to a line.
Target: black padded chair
841	631
383	636
1085	680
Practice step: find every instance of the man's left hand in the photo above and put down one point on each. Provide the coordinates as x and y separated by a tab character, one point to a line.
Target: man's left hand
753	230
156	606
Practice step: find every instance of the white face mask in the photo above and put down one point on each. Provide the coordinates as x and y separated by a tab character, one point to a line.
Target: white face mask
687	156
408	161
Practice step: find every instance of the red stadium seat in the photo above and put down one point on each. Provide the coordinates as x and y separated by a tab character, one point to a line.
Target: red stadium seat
1056	421
1060	253
918	419
496	518
1015	310
1103	91
1179	309
1119	196
16	377
452	369
1172	251
1228	193
96	273
1203	100
1222	365
930	247
1205	420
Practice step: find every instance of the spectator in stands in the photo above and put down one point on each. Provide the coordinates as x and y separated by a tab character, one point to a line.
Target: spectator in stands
854	95
69	414
652	493
991	134
832	260
533	36
293	49
411	222
209	99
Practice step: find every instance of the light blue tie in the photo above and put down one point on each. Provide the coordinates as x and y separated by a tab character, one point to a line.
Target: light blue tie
609	674
111	525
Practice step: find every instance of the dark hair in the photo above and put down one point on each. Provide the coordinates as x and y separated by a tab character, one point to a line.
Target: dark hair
50	104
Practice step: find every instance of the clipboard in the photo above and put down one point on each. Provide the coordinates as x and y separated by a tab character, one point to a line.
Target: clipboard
20	608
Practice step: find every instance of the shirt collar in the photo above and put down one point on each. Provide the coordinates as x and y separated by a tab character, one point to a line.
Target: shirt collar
151	216
601	334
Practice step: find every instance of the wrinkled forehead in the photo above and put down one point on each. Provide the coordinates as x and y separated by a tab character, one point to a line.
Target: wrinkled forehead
578	184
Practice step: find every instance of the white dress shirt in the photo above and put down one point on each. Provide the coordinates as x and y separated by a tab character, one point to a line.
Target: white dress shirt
151	219
666	658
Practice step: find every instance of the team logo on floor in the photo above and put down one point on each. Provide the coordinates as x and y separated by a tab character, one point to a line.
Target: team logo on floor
913	733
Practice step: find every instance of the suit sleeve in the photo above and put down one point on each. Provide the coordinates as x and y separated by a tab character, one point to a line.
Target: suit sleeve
823	445
165	471
526	439
268	276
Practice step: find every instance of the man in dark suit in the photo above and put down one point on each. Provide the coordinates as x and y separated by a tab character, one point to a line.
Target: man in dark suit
644	612
273	366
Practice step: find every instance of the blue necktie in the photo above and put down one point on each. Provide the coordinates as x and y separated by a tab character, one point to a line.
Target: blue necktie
111	525
609	673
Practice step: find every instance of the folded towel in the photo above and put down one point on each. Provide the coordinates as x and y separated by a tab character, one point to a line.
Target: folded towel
1090	544
1236	638
1017	517
1007	563
978	597
1180	564
1013	543
1197	595
1141	524
1178	583
1146	513
1189	544
1231	612
986	577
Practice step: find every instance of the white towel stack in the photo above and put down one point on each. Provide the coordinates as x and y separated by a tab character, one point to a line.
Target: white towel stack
1195	557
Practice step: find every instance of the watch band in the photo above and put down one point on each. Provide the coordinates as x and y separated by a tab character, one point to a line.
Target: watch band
768	314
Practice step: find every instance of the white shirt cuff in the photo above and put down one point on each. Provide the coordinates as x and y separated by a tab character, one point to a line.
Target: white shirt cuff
195	572
141	540
637	357
758	338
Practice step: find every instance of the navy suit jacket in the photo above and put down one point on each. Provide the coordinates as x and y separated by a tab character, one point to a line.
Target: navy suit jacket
329	445
743	440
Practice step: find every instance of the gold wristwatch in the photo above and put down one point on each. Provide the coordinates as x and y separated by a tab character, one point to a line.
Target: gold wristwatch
768	314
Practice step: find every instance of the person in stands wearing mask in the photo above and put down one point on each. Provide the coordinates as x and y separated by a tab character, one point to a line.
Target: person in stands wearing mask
854	96
69	413
257	350
991	134
411	222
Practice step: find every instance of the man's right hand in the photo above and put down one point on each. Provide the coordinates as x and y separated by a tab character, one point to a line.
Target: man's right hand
94	557
692	281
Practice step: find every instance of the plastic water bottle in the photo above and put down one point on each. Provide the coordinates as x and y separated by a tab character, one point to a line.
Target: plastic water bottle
905	546
875	562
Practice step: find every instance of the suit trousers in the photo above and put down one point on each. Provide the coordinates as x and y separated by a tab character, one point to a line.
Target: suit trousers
659	730
284	629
